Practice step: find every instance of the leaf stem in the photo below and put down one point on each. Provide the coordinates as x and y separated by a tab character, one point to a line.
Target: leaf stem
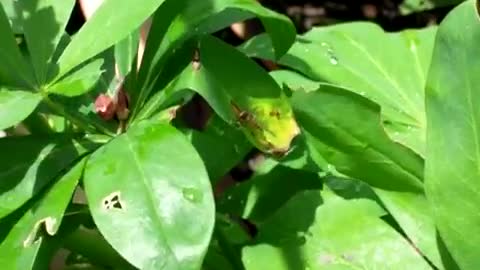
82	123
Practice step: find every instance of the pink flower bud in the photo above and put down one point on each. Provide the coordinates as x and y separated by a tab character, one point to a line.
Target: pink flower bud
105	107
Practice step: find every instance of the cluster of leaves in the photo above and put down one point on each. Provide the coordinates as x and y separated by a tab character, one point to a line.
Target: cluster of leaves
354	177
410	6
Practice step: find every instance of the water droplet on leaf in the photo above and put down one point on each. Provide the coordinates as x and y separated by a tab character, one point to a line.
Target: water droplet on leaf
333	60
192	194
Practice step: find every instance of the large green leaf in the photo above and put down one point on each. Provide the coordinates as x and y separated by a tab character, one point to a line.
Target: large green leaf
388	68
80	81
44	22
151	198
16	105
23	245
410	210
126	52
220	146
413	213
35	162
118	18
10	7
182	19
453	151
314	231
218	14
13	70
262	195
253	99
345	129
410	6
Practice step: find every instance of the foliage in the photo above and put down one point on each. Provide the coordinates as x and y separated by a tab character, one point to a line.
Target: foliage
369	140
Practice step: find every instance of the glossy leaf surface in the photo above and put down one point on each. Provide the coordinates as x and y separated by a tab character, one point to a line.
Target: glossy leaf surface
453	144
151	198
16	105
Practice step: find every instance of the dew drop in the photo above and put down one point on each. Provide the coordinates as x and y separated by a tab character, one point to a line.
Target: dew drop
362	93
333	60
192	194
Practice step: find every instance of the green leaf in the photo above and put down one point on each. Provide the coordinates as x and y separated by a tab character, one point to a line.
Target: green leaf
452	168
10	7
192	17
267	119
218	14
118	18
411	6
253	100
413	213
44	22
314	231
294	81
344	128
13	70
262	195
181	20
220	146
16	105
22	246
179	76
152	180
215	260
388	68
410	213
410	210
80	81
36	162
126	51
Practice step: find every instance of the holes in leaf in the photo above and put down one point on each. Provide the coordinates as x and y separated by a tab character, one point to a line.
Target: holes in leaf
37	232
112	201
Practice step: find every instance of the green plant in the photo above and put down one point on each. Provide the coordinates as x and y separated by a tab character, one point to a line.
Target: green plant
362	165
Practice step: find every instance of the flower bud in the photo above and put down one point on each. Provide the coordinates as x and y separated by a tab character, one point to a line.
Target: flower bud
105	107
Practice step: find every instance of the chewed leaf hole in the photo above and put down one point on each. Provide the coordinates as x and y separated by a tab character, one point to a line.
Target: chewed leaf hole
112	201
36	232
